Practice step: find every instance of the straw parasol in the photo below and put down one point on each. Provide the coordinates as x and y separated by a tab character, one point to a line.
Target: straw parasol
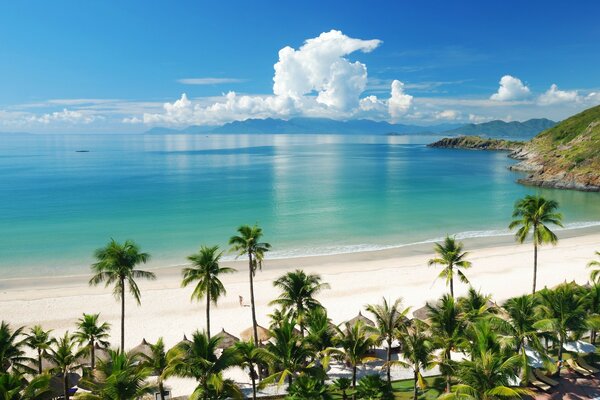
226	339
263	334
421	313
56	384
142	349
361	318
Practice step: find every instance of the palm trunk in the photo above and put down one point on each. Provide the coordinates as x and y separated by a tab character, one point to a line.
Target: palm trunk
534	264
161	389
39	361
253	378
93	354
448	377
254	324
415	391
451	282
389	360
66	384
289	379
354	382
208	312
560	356
122	315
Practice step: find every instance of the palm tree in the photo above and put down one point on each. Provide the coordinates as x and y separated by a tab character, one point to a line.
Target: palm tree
595	274
534	214
593	309
205	270
120	377
297	294
14	386
521	313
66	358
39	340
309	387
388	319
372	387
251	357
89	331
474	306
563	312
11	348
198	359
417	347
446	329
343	385
320	331
248	243
116	264
451	255
353	345
156	361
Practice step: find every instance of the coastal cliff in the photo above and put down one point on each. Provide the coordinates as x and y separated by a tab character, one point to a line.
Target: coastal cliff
477	143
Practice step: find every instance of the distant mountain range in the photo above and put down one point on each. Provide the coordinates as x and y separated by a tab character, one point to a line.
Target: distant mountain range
525	129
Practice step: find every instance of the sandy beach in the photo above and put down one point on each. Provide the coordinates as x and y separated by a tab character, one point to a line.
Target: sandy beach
500	267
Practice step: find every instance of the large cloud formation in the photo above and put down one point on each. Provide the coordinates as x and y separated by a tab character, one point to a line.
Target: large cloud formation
511	88
316	80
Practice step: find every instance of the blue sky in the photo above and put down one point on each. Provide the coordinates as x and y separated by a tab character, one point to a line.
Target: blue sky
124	66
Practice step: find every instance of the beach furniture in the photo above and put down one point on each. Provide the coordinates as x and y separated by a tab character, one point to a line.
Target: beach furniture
542	377
533	381
581	361
577	368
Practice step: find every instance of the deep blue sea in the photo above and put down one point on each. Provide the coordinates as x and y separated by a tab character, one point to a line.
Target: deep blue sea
312	194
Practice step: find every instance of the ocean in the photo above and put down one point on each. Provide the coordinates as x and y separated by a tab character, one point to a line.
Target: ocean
311	194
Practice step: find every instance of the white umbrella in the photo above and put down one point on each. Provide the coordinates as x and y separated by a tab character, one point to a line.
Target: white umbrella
579	346
534	358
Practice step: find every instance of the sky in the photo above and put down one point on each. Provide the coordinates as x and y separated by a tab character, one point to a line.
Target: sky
113	66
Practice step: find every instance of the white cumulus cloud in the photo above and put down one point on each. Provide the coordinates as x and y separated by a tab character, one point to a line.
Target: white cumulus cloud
511	88
555	96
399	102
66	115
449	115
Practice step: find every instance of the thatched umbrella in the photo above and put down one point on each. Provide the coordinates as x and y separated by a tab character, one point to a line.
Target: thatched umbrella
263	334
56	385
362	318
226	339
421	313
142	349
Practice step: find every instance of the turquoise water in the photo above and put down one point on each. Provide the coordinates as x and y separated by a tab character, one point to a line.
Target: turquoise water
312	194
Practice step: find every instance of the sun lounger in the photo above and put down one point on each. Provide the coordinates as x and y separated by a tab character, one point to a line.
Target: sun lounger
542	377
533	381
581	361
577	368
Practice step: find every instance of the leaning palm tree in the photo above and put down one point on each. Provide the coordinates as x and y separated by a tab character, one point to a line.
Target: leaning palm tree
120	377
595	274
39	340
116	265
90	332
11	348
251	357
388	319
156	361
14	386
198	359
205	270
298	291
451	256
417	348
534	214
248	243
66	357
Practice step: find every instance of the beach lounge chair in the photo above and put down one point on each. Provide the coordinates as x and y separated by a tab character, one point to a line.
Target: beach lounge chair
581	361
546	379
535	382
577	368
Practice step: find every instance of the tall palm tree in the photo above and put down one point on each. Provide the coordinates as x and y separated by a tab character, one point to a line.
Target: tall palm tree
533	214
352	346
417	348
595	274
298	291
475	306
156	361
14	386
320	332
446	330
66	357
198	359
521	315
91	332
116	264
39	340
451	256
563	313
120	377
251	357
248	243
388	319
205	270
11	348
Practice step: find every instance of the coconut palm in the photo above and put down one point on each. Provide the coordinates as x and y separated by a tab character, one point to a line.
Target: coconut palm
156	361
372	387
298	291
562	313
116	264
353	343
39	340
388	320
14	386
593	309
595	274
11	348
474	306
251	357
198	359
248	243
320	332
309	387
521	315
533	214
65	356
205	270
451	256
446	330
417	348
90	332
120	377
342	385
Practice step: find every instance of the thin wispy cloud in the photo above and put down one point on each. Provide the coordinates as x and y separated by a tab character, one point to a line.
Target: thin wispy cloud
209	81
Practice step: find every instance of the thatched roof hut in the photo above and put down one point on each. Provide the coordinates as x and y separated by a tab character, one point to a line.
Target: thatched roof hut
142	349
362	318
421	313
226	339
263	334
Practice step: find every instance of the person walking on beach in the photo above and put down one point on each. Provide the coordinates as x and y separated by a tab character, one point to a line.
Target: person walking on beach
241	301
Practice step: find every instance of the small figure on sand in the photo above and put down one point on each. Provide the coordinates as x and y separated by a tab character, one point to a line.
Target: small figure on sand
241	301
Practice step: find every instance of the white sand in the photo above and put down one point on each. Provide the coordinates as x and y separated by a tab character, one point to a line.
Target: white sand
500	267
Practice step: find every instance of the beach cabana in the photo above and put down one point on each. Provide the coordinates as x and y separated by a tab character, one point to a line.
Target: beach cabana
421	313
263	334
362	318
226	339
579	346
142	349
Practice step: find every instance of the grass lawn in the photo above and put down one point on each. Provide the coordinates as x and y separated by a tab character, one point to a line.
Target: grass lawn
404	389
